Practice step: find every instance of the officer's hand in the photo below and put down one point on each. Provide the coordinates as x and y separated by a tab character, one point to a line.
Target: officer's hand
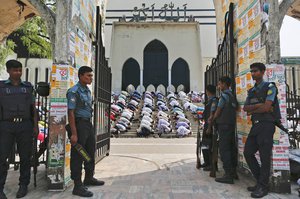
209	120
74	139
208	131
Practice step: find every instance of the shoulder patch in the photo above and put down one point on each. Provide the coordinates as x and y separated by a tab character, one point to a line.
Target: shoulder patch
270	92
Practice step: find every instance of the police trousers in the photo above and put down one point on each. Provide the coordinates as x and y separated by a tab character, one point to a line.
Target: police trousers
207	142
260	139
86	138
22	134
227	147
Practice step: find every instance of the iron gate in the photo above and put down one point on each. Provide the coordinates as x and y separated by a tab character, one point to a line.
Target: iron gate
293	116
224	63
102	93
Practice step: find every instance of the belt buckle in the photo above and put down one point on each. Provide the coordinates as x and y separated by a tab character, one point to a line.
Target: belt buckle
255	121
17	119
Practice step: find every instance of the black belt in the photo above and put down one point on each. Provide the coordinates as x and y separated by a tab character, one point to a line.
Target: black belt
259	121
82	119
16	120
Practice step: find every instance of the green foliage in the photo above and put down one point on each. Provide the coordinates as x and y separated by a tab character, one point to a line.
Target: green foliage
34	36
5	50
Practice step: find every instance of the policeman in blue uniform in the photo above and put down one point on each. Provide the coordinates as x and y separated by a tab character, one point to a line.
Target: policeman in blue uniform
262	104
210	108
225	118
79	115
18	122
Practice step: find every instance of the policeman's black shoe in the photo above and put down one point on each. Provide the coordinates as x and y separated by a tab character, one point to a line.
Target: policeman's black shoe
207	168
251	189
259	192
2	195
23	190
235	176
227	179
93	182
82	191
203	165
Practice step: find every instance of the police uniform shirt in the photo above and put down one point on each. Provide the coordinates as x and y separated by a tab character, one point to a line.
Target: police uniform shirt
214	103
224	98
271	93
80	99
22	84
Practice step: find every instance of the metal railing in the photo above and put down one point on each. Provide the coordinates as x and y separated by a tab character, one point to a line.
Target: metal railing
102	92
224	63
293	117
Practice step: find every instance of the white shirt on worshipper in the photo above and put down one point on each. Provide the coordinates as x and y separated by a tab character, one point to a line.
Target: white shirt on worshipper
163	128
126	115
145	117
193	108
182	131
121	127
116	108
186	105
162	113
147	109
170	95
162	117
125	120
174	102
146	122
163	107
183	119
146	113
135	103
128	111
160	103
148	101
163	121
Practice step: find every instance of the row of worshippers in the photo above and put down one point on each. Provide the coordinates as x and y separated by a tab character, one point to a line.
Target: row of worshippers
163	120
124	109
182	124
146	124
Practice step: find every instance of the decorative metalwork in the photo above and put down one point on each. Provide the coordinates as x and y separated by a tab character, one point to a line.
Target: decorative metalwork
224	63
102	93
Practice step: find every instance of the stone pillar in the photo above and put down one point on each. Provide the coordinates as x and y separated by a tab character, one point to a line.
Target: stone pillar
71	33
141	78
169	76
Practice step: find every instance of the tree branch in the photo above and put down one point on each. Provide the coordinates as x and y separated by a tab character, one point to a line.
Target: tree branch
283	9
49	16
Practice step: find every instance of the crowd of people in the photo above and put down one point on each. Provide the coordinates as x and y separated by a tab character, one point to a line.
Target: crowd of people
154	112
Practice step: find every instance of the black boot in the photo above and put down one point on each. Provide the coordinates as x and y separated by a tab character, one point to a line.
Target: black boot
251	189
93	182
259	192
227	179
234	174
207	168
22	191
2	195
82	191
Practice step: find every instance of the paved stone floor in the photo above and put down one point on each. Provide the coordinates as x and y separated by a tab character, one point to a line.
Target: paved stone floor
139	171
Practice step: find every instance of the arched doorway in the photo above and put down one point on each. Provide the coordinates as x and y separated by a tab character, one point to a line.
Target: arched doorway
130	73
180	74
155	64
